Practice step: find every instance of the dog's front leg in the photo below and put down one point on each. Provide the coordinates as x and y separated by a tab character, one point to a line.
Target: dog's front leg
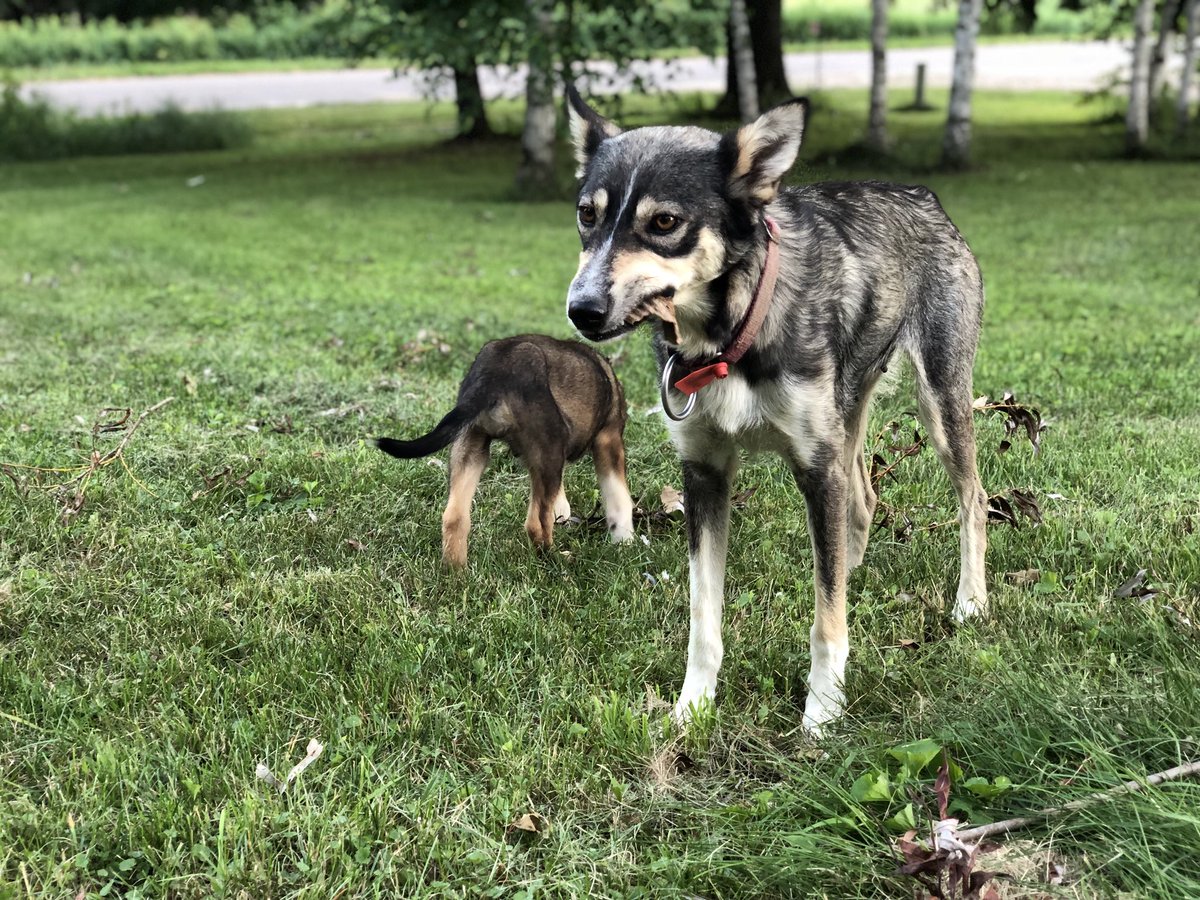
706	487
824	487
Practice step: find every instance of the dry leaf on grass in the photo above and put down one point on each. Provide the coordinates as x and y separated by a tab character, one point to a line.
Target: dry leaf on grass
313	752
529	823
742	498
1000	510
1135	588
1027	504
672	502
1017	416
1024	577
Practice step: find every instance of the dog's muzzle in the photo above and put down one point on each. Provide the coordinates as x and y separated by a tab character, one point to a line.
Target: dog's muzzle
587	313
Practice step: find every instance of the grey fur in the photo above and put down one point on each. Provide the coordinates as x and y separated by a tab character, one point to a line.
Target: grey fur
866	270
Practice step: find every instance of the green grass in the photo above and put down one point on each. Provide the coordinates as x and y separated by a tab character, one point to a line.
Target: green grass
33	129
158	645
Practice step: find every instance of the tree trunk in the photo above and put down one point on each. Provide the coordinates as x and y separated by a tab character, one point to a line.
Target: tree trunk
472	116
536	177
766	37
956	142
1137	117
877	138
1189	67
1158	59
726	107
743	60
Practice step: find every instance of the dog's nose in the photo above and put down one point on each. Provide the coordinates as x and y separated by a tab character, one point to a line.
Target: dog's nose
587	313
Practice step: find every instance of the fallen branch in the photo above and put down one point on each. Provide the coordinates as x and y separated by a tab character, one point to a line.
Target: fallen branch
945	865
1130	787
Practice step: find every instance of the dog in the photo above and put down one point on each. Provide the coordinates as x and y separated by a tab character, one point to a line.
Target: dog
777	310
551	401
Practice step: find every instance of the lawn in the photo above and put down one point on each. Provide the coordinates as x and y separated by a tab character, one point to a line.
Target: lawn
257	575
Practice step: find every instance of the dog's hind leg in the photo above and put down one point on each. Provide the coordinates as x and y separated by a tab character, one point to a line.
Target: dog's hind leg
468	459
706	487
945	403
826	490
861	498
608	453
545	483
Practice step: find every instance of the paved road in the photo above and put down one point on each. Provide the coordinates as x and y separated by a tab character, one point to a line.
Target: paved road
1029	66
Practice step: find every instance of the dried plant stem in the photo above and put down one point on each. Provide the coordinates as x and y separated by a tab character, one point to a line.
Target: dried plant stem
96	462
1129	787
100	461
905	452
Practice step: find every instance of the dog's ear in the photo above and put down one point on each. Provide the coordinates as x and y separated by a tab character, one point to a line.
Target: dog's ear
589	129
760	154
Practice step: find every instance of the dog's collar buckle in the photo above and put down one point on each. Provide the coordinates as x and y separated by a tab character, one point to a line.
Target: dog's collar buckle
664	390
702	377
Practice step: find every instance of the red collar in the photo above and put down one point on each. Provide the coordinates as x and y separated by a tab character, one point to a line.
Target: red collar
747	331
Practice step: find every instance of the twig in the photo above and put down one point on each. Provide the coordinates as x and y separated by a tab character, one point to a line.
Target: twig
905	452
1129	787
98	461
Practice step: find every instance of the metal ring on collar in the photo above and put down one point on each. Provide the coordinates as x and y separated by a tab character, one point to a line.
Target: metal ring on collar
664	387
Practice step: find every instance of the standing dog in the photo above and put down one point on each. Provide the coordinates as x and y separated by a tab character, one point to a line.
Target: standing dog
550	401
787	305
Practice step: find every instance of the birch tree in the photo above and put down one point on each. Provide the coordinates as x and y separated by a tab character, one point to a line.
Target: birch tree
956	141
877	137
536	175
1192	14
765	18
1158	59
1137	116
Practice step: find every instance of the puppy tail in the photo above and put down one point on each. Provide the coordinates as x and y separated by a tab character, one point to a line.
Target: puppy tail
441	436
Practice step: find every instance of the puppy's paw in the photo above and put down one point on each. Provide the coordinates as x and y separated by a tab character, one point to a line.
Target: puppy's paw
562	509
621	532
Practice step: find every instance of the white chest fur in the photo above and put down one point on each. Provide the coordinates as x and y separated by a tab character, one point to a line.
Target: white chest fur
782	415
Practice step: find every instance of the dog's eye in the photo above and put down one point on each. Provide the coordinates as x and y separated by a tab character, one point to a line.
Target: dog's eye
587	215
664	223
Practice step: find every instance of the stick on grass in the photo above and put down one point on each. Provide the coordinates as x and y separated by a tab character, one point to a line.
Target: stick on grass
1129	787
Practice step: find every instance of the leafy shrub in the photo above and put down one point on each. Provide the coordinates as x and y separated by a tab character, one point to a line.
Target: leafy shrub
276	32
333	28
31	129
855	24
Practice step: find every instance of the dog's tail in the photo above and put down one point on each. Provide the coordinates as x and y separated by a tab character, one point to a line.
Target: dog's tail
441	436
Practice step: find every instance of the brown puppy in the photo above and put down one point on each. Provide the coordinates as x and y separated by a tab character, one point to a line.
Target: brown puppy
551	401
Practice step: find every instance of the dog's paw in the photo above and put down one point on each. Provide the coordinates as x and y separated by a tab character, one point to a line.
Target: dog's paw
621	532
968	606
562	509
821	709
692	699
